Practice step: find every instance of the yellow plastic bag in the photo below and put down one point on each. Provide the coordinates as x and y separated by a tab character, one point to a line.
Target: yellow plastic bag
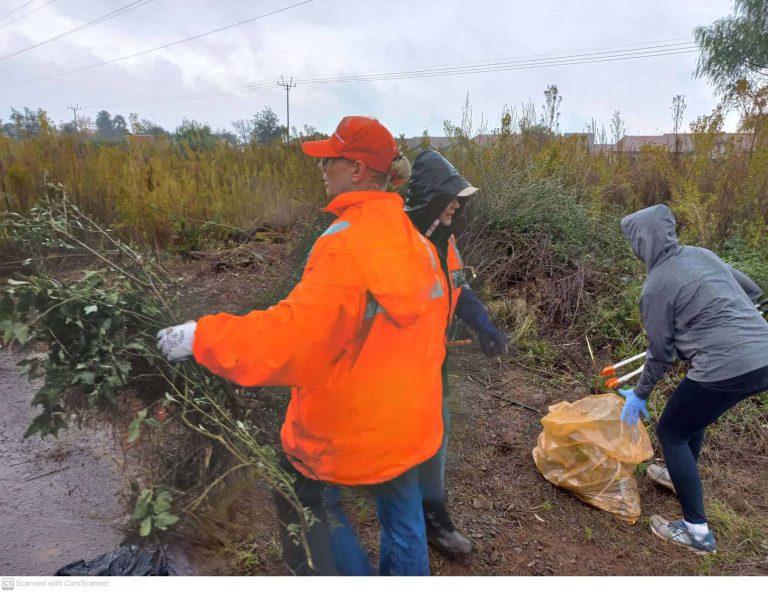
586	449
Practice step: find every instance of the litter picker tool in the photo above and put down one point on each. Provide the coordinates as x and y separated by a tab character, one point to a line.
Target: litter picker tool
611	370
612	383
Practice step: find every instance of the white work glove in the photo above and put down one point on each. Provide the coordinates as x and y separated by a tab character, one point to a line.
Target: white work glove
176	342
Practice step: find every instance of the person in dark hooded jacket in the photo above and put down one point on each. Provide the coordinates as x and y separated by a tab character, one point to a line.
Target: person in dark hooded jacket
698	309
435	192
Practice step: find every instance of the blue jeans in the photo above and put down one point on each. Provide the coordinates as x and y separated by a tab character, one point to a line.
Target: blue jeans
403	547
691	408
332	541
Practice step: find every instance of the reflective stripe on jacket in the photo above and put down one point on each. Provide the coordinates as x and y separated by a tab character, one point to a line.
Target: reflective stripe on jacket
361	341
456	271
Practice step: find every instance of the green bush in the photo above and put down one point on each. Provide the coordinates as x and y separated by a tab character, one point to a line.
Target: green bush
751	259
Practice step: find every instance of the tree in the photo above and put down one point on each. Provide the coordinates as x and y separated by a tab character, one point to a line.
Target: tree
527	116
110	127
677	109
243	130
144	127
618	129
551	117
223	135
266	126
68	127
735	47
153	129
308	132
28	123
86	125
751	102
263	128
426	142
599	136
104	127
196	134
136	128
119	126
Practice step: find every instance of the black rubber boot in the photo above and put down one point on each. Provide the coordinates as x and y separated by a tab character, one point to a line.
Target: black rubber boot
442	534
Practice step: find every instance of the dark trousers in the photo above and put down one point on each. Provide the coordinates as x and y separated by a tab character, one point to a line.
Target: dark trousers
310	494
432	471
691	408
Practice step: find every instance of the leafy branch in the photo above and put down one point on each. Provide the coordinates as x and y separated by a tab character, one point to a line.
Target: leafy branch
99	330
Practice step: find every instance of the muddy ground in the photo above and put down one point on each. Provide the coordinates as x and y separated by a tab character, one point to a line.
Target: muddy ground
60	499
521	524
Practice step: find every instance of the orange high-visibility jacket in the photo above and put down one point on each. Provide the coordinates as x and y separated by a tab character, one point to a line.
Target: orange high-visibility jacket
456	271
360	339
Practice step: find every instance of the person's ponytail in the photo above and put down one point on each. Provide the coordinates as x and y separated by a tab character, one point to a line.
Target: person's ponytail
399	171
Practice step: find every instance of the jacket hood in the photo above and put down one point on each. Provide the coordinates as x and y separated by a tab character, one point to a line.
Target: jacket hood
344	200
650	232
434	184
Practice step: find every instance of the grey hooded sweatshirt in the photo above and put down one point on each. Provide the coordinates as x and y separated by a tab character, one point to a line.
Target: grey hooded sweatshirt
693	306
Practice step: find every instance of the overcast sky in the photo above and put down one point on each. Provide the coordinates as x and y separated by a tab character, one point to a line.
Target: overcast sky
327	38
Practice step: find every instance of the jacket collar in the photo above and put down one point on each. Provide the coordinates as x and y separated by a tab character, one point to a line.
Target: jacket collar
344	200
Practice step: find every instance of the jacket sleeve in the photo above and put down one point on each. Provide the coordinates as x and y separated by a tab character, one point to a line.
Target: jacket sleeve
657	312
751	288
470	310
293	343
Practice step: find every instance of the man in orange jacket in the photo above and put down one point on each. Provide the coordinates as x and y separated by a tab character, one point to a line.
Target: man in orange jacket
360	340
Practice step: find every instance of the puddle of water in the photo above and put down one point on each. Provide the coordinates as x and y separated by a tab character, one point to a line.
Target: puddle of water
59	499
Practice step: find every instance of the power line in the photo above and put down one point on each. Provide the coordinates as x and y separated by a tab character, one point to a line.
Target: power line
120	11
26	14
514	64
400	76
14	11
680	41
167	45
583	57
506	68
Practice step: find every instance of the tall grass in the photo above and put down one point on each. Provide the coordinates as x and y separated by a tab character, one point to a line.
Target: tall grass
543	233
152	188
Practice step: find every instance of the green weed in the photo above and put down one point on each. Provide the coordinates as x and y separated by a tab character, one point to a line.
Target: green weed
744	533
588	534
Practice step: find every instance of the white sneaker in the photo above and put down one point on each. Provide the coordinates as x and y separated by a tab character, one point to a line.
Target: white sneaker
678	534
660	475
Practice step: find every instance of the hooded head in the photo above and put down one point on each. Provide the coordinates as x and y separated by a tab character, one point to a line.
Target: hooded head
650	232
434	184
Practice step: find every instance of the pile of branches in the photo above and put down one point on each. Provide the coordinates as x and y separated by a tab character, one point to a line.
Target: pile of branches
99	332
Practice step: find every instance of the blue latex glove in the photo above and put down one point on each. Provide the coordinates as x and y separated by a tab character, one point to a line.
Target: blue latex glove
492	341
633	407
470	310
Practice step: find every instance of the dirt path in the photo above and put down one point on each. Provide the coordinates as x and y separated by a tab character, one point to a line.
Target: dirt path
58	498
525	526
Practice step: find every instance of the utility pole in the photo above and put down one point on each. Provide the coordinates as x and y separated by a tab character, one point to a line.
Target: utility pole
287	86
75	109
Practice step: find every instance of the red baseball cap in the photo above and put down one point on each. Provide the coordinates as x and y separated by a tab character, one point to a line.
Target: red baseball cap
357	138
